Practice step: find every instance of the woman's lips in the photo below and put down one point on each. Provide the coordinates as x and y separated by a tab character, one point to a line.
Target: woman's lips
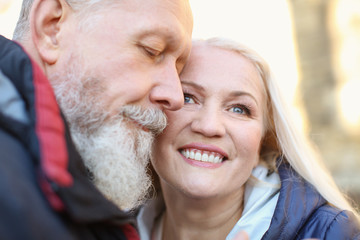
204	155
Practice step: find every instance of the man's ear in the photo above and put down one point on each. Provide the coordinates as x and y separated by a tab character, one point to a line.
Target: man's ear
46	19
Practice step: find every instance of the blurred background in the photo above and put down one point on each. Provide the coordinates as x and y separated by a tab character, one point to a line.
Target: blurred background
313	48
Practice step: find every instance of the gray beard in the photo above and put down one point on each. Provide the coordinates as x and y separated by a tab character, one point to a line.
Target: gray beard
114	149
117	156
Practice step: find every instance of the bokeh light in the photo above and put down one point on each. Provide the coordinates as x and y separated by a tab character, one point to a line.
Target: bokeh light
348	25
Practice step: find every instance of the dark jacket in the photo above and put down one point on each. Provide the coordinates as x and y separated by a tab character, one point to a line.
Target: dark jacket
45	191
302	213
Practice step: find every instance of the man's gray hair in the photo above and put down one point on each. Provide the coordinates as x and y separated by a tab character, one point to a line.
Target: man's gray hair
23	25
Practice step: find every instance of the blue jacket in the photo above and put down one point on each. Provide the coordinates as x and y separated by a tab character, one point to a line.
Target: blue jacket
44	189
301	212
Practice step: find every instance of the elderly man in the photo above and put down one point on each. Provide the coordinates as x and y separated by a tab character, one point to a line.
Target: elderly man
81	98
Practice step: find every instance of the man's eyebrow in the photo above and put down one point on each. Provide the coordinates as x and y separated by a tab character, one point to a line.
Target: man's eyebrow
192	84
157	31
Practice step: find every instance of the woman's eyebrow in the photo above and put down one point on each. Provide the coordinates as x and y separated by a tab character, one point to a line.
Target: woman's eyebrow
192	84
243	93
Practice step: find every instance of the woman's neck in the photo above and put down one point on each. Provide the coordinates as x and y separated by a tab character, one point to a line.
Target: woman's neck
206	218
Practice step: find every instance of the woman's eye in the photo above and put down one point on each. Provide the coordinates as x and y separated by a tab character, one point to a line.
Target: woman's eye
240	110
188	99
237	110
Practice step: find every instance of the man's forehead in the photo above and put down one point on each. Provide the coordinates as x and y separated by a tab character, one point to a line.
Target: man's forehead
168	23
179	9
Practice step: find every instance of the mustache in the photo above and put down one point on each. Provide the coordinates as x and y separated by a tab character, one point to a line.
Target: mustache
152	119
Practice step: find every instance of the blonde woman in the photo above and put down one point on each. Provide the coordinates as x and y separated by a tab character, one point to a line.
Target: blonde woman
231	160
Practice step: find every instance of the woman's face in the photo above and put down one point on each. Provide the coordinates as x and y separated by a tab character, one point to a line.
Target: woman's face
212	144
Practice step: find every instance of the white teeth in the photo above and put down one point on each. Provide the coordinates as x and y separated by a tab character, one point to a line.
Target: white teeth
202	156
192	155
187	153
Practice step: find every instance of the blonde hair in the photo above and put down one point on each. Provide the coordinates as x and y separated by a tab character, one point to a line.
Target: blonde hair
282	138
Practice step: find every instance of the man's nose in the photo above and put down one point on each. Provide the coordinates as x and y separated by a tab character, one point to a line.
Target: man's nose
167	93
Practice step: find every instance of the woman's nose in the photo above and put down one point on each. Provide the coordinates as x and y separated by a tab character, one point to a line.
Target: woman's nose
209	123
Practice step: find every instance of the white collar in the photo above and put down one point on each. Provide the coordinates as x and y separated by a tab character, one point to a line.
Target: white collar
261	195
149	215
